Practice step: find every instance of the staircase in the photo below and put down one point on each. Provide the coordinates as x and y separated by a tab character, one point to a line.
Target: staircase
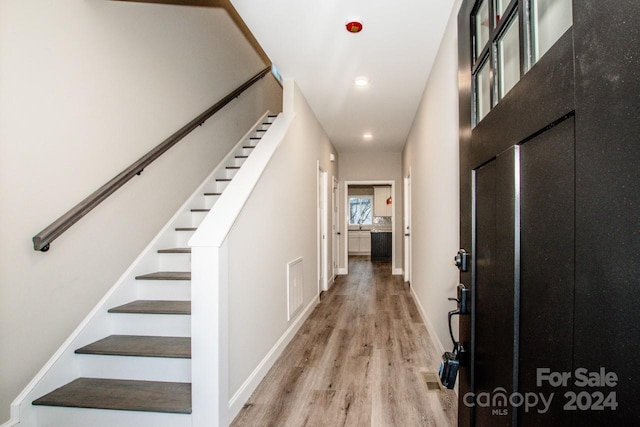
140	360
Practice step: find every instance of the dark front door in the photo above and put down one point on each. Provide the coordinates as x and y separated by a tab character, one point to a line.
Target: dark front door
550	211
524	277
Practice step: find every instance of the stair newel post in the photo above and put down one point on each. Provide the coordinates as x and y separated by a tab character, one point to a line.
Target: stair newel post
210	335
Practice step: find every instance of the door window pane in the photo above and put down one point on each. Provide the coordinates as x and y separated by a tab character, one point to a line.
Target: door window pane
360	210
551	18
509	57
500	6
483	92
481	23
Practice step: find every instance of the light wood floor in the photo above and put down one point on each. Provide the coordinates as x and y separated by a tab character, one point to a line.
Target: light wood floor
359	360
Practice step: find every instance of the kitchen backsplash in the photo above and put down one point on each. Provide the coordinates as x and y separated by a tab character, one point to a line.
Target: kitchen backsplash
382	220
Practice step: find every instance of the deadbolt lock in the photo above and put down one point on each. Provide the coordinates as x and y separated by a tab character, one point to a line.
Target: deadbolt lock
461	260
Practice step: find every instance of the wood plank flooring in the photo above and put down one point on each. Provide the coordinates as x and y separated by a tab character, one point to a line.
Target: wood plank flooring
359	360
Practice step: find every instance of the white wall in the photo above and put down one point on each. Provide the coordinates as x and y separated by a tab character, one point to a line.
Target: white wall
86	88
277	225
373	166
431	153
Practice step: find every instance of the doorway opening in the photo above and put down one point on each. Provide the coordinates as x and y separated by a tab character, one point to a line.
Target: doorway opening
369	222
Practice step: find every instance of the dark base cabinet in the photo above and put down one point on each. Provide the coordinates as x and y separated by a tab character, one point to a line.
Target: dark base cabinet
381	246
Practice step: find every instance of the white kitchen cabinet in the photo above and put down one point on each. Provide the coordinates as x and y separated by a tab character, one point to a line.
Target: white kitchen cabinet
380	197
360	242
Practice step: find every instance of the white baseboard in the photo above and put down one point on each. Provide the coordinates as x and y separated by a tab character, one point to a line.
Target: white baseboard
432	332
397	272
251	383
10	423
342	271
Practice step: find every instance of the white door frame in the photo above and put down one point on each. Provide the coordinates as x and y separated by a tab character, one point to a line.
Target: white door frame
322	229
335	202
345	241
407	228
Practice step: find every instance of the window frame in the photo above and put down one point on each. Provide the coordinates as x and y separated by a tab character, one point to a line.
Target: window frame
489	52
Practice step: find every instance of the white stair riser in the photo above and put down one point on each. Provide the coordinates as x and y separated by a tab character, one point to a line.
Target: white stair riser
171	325
197	217
174	262
135	368
209	201
238	162
230	173
221	185
246	152
182	237
164	289
79	417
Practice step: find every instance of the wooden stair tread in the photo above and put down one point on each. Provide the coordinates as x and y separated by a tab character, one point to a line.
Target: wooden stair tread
142	346
242	157
233	167
213	194
200	210
166	275
223	179
248	146
154	307
186	228
175	251
124	395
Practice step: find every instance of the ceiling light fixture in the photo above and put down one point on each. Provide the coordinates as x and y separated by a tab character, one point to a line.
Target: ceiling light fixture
368	136
361	81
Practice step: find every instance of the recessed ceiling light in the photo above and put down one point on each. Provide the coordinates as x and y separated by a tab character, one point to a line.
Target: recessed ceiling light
361	81
367	135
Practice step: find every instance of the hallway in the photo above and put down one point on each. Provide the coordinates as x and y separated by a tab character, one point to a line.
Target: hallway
358	360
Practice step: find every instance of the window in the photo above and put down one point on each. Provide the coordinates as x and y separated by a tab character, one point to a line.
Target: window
483	92
481	23
481	53
499	9
360	210
509	58
550	19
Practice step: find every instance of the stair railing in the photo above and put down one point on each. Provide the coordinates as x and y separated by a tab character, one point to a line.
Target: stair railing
42	240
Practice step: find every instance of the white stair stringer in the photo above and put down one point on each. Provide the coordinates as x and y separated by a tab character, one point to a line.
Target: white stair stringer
65	365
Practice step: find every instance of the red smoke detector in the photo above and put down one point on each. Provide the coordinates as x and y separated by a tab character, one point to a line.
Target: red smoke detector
354	26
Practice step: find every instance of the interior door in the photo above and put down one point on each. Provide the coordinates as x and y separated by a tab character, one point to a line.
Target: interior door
322	230
407	228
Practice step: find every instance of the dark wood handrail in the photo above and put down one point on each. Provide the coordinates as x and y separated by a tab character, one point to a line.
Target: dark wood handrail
42	240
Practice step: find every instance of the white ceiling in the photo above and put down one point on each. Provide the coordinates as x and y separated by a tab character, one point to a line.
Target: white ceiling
307	41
